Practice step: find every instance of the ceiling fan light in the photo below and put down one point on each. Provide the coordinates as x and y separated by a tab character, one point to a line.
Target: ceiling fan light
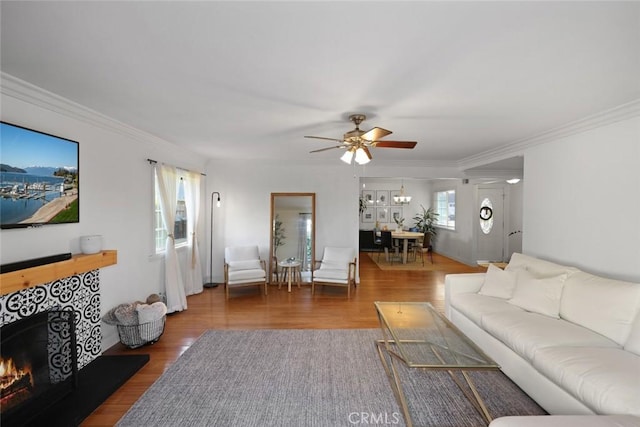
347	157
362	156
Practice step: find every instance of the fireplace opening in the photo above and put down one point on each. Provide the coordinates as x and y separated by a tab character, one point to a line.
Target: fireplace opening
38	364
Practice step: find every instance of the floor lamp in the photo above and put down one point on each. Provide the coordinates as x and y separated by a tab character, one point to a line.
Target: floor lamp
211	283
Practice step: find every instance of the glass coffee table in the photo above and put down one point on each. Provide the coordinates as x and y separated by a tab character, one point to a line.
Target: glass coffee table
418	336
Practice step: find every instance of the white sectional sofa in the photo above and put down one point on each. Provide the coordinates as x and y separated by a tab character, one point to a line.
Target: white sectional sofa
569	339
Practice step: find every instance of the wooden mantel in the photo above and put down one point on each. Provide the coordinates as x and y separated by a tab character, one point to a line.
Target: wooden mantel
29	277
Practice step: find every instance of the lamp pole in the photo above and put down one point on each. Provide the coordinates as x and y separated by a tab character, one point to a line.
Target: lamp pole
211	283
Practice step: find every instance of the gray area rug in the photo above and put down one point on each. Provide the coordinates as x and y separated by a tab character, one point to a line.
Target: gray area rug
295	377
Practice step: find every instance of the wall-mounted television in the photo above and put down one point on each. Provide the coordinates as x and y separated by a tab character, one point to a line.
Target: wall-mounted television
39	180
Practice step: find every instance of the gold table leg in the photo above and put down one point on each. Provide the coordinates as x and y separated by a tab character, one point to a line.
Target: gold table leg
470	391
392	374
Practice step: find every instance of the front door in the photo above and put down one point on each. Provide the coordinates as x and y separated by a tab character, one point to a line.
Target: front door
490	230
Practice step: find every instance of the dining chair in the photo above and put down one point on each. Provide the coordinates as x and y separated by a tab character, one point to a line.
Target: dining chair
390	252
424	247
243	267
337	268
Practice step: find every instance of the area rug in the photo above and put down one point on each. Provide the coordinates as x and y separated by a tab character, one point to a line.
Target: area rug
411	264
295	377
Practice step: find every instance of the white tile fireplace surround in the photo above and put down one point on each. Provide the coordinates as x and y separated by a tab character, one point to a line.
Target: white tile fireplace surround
79	290
80	293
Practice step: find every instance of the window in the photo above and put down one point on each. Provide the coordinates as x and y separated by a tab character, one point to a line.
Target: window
445	203
180	224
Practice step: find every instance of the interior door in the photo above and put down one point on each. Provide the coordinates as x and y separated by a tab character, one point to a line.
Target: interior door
490	230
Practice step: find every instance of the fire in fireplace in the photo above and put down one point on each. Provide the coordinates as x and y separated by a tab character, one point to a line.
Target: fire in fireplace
16	384
38	364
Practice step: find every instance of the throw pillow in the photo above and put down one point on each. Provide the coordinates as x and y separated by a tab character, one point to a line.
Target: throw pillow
538	295
498	283
150	315
126	314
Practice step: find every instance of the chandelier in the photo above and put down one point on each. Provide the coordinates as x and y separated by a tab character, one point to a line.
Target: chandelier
402	199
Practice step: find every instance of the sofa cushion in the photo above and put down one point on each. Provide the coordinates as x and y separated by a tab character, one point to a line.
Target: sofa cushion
538	267
605	379
567	421
633	342
253	264
241	253
498	283
339	255
246	276
474	306
603	305
538	295
331	275
525	332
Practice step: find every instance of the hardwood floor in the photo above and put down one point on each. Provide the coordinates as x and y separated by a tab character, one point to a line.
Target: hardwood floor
248	309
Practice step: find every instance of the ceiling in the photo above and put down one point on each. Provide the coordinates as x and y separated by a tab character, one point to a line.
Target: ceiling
249	79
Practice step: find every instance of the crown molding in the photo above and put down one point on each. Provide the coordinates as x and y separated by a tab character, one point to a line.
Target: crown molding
517	148
24	91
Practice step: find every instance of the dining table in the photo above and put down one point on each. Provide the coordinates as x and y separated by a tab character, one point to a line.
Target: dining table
405	236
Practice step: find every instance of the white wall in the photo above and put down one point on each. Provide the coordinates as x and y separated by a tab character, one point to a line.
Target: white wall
115	200
246	187
582	200
514	220
418	189
458	243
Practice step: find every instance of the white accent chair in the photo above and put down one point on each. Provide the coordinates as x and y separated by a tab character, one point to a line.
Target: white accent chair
243	267
337	268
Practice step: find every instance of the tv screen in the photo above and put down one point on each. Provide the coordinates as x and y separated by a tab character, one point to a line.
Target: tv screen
38	178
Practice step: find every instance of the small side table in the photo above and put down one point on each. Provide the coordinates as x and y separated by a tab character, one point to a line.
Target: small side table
290	269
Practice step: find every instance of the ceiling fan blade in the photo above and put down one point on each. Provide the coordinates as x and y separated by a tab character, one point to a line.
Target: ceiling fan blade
375	134
328	148
394	144
322	137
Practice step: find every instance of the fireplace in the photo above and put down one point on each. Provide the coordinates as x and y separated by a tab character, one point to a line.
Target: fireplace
38	364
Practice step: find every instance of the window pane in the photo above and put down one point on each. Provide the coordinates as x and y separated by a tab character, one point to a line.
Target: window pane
445	205
180	225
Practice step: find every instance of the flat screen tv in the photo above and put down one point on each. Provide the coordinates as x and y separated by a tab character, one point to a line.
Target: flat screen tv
38	178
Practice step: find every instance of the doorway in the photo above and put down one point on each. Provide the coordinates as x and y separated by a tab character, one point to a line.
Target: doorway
490	228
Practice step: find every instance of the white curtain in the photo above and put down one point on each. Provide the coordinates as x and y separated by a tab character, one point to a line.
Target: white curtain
174	287
303	253
193	280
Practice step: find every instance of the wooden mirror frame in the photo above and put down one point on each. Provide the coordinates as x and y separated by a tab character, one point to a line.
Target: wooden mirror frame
312	199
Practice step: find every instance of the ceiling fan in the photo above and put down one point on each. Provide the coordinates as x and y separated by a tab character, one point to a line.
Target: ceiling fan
357	142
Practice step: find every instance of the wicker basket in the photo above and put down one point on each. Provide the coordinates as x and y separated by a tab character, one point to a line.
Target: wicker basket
134	336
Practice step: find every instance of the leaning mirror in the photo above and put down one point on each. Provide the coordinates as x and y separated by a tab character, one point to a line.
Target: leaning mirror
292	234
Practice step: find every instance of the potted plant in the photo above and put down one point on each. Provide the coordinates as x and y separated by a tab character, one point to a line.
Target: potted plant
399	222
363	204
278	234
425	222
